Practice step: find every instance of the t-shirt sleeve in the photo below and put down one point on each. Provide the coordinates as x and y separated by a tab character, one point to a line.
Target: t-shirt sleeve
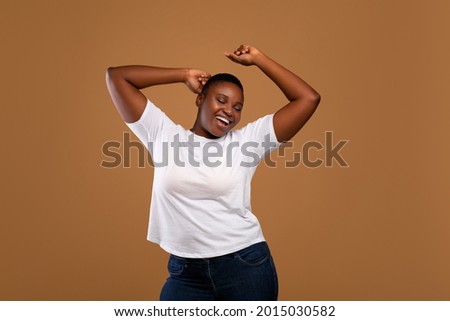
260	134
152	123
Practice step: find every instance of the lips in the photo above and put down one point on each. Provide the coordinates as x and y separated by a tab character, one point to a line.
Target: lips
223	120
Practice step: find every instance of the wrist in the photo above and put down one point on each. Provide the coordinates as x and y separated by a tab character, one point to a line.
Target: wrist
185	72
259	58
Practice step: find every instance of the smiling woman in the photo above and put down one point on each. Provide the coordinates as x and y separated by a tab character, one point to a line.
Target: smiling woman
201	210
219	106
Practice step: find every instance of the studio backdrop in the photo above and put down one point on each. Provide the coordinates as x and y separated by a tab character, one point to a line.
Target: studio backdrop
355	208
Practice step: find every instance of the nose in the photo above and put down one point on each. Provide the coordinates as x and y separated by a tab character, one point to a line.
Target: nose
227	110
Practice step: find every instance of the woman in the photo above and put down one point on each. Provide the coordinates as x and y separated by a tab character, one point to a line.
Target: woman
200	211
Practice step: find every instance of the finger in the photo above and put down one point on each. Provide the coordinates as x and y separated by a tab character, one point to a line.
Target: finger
232	56
204	77
243	48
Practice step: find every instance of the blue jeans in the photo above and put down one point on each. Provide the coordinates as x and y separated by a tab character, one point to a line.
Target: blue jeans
245	275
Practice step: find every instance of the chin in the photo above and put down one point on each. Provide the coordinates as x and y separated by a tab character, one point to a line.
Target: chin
220	133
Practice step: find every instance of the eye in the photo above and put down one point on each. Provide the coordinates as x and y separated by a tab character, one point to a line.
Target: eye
221	101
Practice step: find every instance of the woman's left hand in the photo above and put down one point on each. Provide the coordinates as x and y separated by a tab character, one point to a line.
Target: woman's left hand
303	99
244	55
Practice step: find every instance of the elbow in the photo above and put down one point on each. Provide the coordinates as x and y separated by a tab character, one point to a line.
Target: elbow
313	98
112	74
316	98
110	71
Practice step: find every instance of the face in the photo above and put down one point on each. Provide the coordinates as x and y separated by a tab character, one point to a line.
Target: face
219	110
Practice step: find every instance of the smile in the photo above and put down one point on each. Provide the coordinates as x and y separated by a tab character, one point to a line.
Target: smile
223	120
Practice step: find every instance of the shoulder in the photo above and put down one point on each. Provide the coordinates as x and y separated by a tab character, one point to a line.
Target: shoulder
262	125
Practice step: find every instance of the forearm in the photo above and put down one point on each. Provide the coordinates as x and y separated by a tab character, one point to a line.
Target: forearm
292	86
145	76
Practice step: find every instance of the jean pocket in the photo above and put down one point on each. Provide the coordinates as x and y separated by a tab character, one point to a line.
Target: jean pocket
254	255
175	265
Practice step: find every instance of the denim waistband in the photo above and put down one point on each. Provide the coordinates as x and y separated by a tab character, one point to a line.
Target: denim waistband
218	258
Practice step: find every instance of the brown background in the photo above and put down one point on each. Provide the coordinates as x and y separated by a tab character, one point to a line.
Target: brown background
378	230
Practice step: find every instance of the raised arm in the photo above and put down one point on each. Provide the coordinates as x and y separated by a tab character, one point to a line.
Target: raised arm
124	84
303	99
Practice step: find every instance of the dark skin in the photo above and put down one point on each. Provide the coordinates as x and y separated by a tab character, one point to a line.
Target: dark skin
223	101
124	84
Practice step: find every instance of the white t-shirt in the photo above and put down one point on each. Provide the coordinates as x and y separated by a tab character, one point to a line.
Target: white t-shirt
200	203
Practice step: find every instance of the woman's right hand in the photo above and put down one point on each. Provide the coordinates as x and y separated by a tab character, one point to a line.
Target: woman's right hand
196	79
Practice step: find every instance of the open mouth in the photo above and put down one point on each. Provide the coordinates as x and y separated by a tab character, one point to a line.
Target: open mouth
222	121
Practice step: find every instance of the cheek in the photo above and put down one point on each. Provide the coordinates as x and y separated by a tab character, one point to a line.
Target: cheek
205	115
237	117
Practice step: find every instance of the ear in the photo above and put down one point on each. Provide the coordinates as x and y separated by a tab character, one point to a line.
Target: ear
199	100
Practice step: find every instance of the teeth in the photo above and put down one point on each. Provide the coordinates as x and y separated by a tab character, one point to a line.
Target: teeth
223	119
